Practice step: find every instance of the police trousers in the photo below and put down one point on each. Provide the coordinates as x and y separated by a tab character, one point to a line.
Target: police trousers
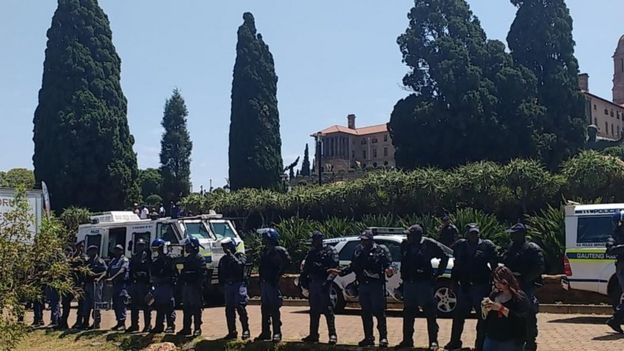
66	301
469	297
372	299
419	294
236	300
619	310
120	298
495	345
164	304
531	319
271	302
138	291
192	303
320	304
93	295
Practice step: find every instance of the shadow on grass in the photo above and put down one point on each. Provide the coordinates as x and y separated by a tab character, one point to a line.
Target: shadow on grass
131	341
209	345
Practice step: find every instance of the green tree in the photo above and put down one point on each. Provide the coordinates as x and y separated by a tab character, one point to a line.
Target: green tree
305	165
470	101
175	153
17	177
255	156
73	217
150	182
153	200
29	263
541	39
83	145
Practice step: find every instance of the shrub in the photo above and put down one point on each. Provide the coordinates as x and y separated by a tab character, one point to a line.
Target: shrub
72	217
153	200
591	176
547	229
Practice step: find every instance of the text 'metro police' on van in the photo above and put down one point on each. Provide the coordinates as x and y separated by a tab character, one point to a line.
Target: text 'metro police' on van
586	264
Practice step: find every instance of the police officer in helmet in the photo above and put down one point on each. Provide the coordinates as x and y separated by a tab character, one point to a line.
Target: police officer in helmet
615	247
139	268
371	264
475	259
418	283
118	276
93	287
192	277
526	260
274	260
315	277
163	274
233	278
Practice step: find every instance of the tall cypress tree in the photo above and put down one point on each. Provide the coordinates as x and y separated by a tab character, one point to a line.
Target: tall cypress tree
541	39
305	165
471	102
83	145
255	155
175	153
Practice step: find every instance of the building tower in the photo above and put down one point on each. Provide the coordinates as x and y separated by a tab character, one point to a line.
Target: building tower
618	75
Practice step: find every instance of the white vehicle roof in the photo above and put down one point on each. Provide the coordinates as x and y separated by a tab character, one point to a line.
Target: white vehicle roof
116	217
592	210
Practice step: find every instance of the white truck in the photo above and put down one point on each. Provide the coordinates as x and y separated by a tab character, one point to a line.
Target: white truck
586	263
124	228
35	204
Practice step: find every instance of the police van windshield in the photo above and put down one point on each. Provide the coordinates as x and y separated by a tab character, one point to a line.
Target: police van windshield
196	230
222	230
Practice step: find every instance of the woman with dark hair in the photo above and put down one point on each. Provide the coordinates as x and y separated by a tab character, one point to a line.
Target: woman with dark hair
505	312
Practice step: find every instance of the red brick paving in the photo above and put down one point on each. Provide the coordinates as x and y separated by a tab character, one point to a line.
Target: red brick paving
557	331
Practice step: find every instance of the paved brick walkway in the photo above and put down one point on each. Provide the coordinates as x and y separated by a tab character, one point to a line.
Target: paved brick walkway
557	331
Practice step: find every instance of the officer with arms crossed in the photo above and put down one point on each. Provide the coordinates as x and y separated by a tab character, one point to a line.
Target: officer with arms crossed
192	277
163	274
93	287
418	283
140	264
233	278
118	276
526	260
370	262
475	258
315	277
615	247
273	262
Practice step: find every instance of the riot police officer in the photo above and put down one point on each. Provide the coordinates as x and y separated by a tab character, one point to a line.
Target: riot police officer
93	287
419	278
233	278
192	277
274	260
78	266
139	269
163	274
68	296
475	258
448	233
615	247
370	262
315	277
118	276
526	260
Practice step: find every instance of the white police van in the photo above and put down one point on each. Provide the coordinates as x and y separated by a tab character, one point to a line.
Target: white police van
125	228
586	264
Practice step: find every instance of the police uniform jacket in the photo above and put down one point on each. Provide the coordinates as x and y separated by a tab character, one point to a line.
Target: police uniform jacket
615	244
473	263
96	267
317	262
273	263
448	234
116	265
163	270
232	268
194	269
140	267
526	261
369	266
416	259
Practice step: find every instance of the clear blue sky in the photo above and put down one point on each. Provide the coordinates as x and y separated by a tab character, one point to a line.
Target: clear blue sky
332	58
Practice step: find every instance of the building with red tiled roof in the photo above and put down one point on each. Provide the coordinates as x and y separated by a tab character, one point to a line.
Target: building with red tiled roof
347	147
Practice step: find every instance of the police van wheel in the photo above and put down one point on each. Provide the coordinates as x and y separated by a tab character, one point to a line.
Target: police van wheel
337	298
445	298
